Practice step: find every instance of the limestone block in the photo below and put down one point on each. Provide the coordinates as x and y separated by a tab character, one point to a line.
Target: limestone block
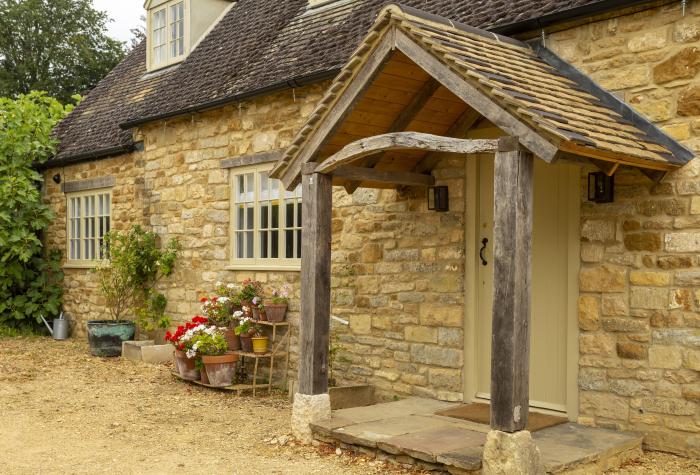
588	313
649	298
672	406
597	344
605	405
450	379
605	278
615	305
157	354
689	102
601	230
668	357
645	241
131	350
361	324
650	278
631	350
306	410
683	65
511	454
421	334
692	360
441	315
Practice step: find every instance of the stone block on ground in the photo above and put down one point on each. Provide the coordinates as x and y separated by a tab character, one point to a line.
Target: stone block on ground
511	454
131	350
157	354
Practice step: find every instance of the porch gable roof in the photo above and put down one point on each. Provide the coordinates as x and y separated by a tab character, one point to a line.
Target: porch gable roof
552	108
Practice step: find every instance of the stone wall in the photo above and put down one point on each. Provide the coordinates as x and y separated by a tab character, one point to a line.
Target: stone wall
81	300
396	278
640	276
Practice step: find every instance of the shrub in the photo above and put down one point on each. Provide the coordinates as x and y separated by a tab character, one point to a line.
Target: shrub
30	278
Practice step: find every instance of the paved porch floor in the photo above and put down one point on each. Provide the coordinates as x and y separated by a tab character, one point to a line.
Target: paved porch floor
411	432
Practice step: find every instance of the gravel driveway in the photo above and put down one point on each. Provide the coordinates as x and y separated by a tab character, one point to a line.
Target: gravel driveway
63	411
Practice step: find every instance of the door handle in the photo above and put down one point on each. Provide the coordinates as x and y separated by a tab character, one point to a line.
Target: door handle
484	242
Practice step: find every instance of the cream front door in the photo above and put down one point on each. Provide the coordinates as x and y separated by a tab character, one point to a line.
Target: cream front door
554	234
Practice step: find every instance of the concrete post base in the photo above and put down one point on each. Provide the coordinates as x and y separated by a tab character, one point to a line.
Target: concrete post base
307	409
511	454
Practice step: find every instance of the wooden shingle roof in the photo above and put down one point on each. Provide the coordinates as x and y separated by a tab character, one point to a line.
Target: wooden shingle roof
528	86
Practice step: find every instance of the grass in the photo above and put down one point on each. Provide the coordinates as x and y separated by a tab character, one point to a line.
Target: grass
7	331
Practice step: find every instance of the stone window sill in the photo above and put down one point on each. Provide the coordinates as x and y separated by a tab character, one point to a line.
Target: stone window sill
263	268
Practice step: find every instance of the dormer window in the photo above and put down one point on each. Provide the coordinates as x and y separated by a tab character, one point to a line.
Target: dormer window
168	28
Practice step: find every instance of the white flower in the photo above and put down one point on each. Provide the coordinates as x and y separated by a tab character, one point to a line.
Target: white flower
223	299
231	286
219	283
237	314
191	354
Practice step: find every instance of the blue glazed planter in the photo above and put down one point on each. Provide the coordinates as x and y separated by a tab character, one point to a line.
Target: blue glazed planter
106	336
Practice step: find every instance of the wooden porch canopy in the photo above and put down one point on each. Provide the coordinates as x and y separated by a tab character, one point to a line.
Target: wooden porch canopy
409	94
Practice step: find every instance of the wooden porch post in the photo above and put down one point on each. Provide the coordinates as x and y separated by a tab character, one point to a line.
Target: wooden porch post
510	349
314	326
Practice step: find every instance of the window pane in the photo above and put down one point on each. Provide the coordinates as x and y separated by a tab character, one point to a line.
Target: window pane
249	244
250	187
250	217
264	189
289	244
264	218
240	219
274	189
290	214
275	245
240	189
239	246
275	216
263	244
298	214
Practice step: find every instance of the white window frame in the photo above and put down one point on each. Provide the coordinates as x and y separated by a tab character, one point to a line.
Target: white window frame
257	262
83	240
169	21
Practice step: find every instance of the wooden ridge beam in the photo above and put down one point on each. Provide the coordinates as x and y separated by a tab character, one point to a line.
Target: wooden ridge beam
403	141
363	174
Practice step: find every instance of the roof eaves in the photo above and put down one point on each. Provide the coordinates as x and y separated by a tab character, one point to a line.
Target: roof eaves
681	154
97	154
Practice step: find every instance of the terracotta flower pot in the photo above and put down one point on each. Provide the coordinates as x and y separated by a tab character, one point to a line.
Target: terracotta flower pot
205	377
186	367
259	315
233	340
275	311
220	369
246	343
260	344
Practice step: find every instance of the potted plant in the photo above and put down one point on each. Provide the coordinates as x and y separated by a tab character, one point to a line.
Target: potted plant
217	310
185	362
249	290
151	318
232	292
127	283
260	341
259	309
219	365
276	306
245	330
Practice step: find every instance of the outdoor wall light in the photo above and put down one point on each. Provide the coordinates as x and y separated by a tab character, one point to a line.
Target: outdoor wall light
438	198
57	178
601	187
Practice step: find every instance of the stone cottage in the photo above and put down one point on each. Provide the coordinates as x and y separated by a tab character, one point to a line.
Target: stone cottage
183	135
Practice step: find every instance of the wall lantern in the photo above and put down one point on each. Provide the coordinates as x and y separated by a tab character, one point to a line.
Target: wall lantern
601	187
438	198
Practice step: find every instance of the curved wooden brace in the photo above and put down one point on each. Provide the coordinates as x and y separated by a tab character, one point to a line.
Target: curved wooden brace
403	141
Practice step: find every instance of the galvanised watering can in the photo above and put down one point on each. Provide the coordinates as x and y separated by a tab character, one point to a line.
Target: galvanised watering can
61	327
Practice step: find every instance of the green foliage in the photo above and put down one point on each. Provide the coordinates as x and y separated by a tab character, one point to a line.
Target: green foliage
59	46
29	280
209	344
128	281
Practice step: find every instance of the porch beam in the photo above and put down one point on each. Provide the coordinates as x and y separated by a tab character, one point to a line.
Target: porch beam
359	149
360	174
510	349
314	326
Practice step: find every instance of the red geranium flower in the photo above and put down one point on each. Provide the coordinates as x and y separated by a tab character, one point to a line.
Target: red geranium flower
203	299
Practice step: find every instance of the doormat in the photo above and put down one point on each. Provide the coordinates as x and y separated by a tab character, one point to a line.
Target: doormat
481	414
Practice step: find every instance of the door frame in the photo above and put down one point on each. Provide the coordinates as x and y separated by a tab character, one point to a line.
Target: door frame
471	286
